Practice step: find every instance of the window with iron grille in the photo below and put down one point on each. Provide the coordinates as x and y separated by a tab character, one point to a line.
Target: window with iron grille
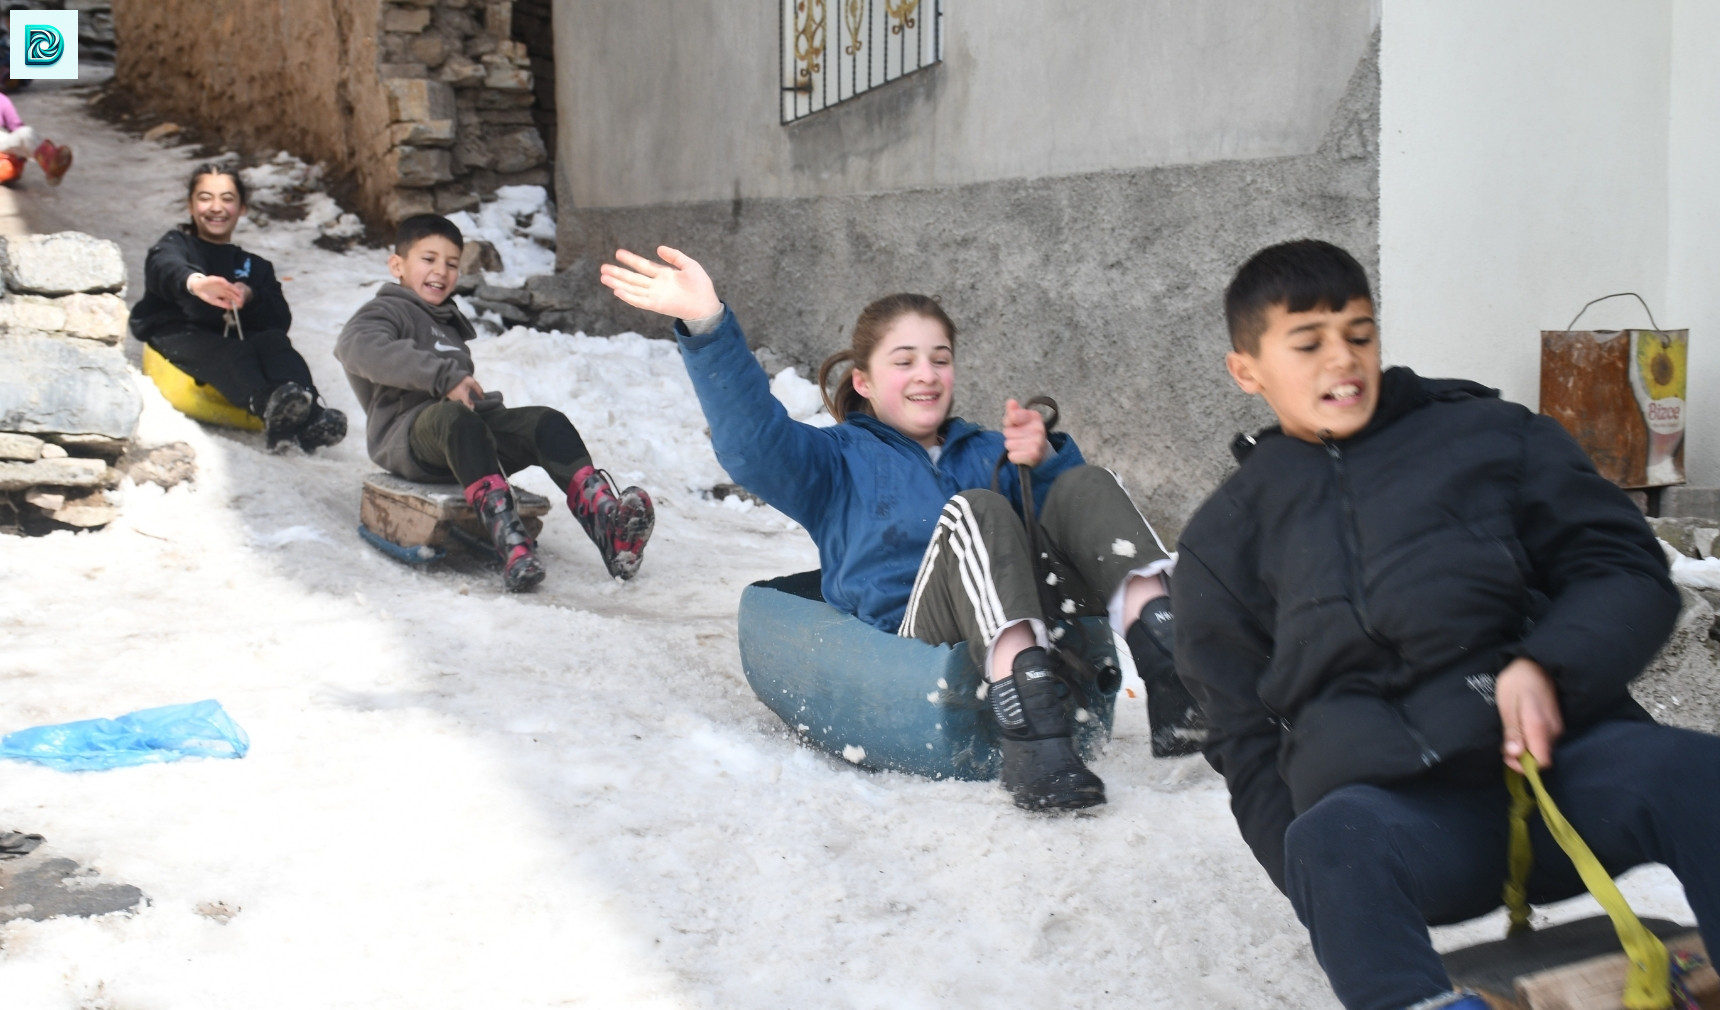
833	50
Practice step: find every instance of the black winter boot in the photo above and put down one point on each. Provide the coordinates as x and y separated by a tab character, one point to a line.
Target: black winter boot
288	406
1178	726
323	426
494	502
1040	766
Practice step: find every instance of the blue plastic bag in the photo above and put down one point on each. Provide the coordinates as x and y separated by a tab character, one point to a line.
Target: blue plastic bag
168	733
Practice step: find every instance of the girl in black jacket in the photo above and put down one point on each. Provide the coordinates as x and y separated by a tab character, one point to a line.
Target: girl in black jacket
217	313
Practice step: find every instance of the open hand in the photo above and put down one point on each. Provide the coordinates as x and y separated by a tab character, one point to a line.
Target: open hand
677	287
466	391
220	292
1024	435
1528	712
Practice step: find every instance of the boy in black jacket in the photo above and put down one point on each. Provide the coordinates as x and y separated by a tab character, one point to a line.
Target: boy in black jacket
1406	578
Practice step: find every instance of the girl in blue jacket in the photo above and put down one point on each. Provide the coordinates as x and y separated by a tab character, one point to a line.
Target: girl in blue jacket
910	537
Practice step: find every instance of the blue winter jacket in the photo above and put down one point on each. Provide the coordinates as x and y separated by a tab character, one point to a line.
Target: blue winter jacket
869	495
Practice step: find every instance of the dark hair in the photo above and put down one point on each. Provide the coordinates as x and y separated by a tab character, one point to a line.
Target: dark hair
212	168
841	398
1301	275
420	226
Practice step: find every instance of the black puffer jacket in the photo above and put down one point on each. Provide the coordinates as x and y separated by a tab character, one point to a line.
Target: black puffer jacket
1342	608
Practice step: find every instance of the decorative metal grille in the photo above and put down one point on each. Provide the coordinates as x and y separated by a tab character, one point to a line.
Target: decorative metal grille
833	50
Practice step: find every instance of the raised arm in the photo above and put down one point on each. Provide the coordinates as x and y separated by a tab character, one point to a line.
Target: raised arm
793	466
169	273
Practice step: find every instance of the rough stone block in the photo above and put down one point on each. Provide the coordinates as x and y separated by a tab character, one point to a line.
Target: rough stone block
478	255
510	296
73	471
62	263
32	312
1698	502
513	315
418	100
489	98
419	166
404	202
517	150
166	465
430	49
52	385
96	317
460	72
411	20
538	176
455	197
508	78
88	512
560	319
406	70
557	291
1681	687
499	19
1693	538
435	133
25	448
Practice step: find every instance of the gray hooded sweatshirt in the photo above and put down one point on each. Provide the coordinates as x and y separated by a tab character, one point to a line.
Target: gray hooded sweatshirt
401	354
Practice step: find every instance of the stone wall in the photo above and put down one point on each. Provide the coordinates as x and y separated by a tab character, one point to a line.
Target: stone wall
416	105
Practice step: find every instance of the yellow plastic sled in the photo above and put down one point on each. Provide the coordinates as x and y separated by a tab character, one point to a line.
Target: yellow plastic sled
192	398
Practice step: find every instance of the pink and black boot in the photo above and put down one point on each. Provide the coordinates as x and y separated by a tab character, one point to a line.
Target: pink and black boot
618	523
494	502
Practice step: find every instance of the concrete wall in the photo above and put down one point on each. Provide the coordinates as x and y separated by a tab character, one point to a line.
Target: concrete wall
1100	287
1538	154
1028	89
1693	206
294	74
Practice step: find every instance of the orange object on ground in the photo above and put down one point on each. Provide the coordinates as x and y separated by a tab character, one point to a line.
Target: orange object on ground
11	167
55	160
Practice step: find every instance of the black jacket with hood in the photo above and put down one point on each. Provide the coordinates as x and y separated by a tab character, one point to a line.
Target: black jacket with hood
1343	607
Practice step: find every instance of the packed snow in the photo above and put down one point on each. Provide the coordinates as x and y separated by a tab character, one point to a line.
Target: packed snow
460	798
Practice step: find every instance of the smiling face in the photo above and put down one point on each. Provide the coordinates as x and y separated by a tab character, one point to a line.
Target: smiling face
429	268
910	377
215	207
1319	370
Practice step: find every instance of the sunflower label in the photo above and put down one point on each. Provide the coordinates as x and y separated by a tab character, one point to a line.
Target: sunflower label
1621	394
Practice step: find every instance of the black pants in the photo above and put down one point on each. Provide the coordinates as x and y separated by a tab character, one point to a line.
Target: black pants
472	445
976	577
244	371
1369	867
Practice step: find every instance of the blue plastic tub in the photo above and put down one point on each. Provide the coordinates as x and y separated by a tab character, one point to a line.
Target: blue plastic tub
886	702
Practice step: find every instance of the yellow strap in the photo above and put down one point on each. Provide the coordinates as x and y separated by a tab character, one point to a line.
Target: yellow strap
1646	981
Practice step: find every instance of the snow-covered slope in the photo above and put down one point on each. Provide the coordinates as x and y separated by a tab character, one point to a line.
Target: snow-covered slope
457	798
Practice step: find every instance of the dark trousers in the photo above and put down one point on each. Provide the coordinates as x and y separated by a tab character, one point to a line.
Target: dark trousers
471	445
244	371
1368	868
976	576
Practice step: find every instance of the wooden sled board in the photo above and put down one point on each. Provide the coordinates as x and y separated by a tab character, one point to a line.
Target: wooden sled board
879	700
411	514
1573	966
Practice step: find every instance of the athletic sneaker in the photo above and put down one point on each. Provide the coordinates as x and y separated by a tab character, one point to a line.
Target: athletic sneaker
285	413
618	523
324	426
1177	723
493	500
1040	767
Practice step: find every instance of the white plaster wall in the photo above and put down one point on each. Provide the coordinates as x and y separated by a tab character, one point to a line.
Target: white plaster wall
1524	169
1693	262
665	101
